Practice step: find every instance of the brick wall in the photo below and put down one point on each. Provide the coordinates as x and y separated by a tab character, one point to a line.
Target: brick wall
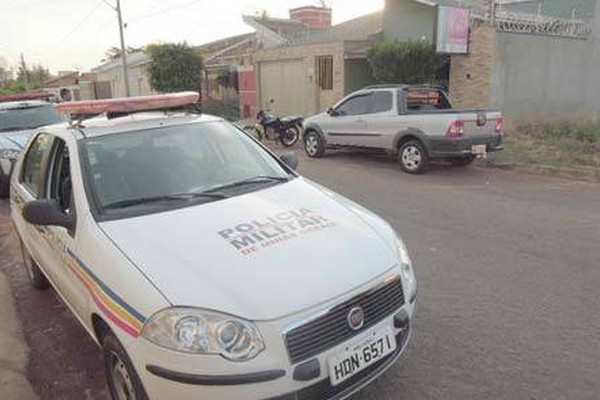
471	74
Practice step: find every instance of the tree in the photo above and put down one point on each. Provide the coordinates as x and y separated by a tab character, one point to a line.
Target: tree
115	52
174	67
411	62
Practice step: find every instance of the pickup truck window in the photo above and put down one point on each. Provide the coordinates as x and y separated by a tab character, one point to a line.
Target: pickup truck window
426	100
381	102
357	105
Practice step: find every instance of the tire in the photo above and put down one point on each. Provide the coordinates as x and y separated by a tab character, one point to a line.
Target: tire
462	161
413	157
313	145
36	276
290	136
4	185
121	376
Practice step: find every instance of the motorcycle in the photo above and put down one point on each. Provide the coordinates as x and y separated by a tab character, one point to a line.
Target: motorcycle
285	130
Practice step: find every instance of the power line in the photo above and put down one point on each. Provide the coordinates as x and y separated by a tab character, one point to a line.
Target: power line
83	21
163	11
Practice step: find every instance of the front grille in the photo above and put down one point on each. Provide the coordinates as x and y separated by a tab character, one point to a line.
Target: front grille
323	390
331	329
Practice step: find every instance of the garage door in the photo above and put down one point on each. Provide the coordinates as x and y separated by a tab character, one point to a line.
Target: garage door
286	83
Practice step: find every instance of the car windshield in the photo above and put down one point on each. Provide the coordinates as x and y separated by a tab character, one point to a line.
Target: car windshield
28	117
159	169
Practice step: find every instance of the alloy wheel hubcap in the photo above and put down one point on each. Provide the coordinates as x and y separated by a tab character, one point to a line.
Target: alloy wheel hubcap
311	145
122	382
411	158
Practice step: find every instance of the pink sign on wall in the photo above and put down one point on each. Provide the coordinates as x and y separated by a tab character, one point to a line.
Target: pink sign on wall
452	30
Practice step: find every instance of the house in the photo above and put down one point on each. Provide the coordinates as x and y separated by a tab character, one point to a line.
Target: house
230	75
137	67
313	68
83	86
533	67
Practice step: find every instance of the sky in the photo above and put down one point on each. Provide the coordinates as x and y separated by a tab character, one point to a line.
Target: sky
74	34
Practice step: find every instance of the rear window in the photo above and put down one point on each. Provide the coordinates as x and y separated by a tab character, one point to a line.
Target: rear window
28	117
426	100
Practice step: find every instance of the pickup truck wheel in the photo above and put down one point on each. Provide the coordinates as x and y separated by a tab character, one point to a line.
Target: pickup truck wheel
36	276
123	381
462	161
413	157
313	145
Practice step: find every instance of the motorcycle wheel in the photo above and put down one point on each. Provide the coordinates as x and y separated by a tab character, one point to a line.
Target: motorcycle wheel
290	136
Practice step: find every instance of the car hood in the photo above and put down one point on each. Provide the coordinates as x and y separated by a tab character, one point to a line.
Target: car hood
261	255
15	140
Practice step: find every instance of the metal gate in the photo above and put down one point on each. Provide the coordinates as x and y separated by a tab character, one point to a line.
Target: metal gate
286	84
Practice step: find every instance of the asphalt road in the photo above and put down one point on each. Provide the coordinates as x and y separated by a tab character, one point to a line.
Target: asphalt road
509	279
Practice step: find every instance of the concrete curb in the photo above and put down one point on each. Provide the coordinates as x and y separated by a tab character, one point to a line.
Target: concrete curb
14	352
540	169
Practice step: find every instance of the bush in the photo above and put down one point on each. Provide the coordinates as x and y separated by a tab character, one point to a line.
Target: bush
411	62
174	67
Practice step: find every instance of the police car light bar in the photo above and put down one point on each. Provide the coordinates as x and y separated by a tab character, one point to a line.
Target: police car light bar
129	104
35	95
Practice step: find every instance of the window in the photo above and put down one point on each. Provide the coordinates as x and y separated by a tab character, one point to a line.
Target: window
357	105
325	72
381	102
59	187
426	100
33	166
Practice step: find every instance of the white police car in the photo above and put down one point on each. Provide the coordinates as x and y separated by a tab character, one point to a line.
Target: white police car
204	266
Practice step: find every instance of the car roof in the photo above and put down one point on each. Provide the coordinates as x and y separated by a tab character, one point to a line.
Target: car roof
11	105
102	126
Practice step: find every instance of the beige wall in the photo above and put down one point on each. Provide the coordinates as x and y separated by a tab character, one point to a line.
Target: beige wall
138	80
307	54
471	74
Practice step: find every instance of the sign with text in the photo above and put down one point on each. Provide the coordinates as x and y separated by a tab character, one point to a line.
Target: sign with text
452	30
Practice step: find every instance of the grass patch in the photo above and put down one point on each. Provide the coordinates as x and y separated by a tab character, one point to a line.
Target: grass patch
563	145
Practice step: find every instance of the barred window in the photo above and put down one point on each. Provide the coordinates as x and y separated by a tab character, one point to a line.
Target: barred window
325	72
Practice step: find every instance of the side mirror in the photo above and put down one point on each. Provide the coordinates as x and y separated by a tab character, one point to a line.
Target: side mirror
47	212
332	113
290	160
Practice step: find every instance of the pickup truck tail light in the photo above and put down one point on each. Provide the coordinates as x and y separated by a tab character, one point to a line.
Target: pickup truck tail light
499	125
456	129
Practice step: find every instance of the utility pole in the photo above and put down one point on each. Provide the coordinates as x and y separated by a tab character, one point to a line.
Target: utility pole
123	50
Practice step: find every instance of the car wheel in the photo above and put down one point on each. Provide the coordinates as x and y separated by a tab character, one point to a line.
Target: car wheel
313	145
413	157
36	276
4	185
462	161
123	381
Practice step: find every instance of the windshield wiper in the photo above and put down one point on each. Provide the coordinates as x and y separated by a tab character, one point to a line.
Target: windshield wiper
170	197
251	181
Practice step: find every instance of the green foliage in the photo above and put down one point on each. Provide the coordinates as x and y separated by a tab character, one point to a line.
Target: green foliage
411	62
27	79
174	67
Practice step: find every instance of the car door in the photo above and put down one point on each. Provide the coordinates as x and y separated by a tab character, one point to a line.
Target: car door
382	119
30	186
59	187
346	125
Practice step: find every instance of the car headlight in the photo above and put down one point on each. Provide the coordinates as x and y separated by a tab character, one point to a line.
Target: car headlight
197	331
9	154
406	269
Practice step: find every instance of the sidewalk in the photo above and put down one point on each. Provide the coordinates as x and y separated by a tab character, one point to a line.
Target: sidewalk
14	352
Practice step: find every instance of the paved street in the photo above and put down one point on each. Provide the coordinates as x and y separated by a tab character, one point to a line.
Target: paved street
508	267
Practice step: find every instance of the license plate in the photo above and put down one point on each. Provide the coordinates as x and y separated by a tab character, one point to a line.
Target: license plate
479	149
360	354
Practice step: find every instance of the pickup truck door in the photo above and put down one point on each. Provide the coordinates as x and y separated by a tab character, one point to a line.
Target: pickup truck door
383	120
346	125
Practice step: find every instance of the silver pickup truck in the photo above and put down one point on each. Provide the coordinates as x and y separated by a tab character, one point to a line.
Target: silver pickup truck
416	123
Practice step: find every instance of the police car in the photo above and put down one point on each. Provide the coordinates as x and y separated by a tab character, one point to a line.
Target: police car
201	263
